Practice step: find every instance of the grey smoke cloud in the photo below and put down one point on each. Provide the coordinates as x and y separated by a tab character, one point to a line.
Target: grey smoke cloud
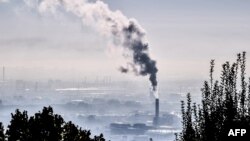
141	58
125	32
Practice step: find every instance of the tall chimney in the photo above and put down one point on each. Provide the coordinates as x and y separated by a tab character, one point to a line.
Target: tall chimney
156	118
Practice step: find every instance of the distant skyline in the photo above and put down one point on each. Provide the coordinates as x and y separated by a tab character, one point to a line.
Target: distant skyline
183	35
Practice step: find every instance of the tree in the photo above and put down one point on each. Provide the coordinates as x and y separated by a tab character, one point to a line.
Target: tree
2	135
44	126
99	138
18	128
189	131
84	135
223	105
70	132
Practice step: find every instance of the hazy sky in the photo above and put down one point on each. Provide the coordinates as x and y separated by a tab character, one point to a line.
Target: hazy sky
183	36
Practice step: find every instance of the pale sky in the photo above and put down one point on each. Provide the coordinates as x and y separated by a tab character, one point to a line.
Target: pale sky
183	35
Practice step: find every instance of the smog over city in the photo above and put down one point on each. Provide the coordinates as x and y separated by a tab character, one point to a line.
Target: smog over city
124	70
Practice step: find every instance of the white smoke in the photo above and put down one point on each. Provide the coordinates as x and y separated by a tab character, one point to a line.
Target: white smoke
124	32
154	93
96	14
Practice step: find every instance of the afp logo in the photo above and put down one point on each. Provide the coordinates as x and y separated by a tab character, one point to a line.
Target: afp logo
237	132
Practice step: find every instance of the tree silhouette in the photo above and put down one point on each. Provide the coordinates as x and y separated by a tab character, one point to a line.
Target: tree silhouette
71	132
2	135
99	138
44	126
188	131
223	106
18	129
85	135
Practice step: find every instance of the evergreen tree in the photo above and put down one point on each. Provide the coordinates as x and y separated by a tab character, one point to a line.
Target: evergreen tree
223	105
190	134
243	85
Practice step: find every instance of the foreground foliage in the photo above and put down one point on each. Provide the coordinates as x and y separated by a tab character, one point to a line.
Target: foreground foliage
225	105
44	126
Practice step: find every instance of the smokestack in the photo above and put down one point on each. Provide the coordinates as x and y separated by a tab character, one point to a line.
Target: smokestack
157	107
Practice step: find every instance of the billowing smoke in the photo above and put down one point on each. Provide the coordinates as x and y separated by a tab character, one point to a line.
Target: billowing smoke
125	32
142	63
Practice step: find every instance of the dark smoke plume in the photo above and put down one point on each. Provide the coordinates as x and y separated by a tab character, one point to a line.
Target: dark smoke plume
125	32
134	42
123	70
